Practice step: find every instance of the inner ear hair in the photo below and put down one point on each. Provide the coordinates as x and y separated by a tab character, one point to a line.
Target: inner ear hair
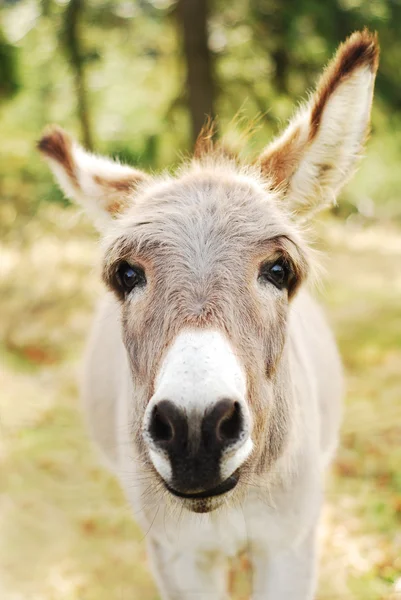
360	50
317	153
104	187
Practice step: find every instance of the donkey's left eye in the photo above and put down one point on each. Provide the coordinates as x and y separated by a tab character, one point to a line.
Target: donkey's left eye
277	273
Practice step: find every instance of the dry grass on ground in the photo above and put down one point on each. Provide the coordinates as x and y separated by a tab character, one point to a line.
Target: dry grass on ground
65	529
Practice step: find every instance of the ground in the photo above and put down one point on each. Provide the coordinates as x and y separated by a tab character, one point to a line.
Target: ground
66	532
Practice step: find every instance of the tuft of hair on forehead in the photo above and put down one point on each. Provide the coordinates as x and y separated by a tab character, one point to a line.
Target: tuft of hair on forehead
207	146
205	141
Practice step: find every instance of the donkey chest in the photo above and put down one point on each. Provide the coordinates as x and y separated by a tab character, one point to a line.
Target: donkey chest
249	528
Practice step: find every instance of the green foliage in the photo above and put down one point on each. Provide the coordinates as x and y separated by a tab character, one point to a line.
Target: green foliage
145	157
9	76
267	54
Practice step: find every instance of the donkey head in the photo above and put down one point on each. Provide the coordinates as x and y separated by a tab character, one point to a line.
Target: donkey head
205	266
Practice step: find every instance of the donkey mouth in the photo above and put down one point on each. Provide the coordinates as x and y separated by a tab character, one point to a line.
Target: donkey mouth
224	487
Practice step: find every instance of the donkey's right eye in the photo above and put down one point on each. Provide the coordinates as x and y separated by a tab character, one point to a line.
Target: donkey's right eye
129	277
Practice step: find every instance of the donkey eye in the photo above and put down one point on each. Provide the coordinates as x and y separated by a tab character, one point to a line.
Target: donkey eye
278	273
129	277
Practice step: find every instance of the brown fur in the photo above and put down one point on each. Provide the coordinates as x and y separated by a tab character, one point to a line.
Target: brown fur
114	187
120	190
282	164
359	50
280	160
56	144
205	140
208	145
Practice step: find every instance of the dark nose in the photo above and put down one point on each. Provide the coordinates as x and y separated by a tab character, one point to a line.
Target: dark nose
168	425
172	428
222	425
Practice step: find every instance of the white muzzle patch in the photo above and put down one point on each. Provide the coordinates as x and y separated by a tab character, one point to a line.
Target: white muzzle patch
199	370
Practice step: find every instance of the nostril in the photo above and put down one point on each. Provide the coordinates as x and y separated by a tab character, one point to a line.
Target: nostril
161	428
223	425
230	425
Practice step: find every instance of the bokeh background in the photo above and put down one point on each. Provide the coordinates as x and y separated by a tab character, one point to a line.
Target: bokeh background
135	79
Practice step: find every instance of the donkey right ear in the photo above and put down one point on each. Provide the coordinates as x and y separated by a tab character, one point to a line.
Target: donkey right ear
103	187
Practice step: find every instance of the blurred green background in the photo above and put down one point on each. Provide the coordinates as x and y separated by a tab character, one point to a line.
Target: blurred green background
135	80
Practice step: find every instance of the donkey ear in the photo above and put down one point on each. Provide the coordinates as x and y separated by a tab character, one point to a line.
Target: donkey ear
103	187
317	153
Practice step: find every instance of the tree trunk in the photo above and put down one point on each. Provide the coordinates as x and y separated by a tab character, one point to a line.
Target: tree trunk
74	52
193	17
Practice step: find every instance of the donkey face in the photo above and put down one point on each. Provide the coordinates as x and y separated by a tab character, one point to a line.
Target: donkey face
205	266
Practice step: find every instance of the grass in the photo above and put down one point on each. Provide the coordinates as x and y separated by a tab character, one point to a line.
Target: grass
364	508
66	531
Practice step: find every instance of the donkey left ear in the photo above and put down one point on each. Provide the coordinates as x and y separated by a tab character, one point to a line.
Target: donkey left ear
102	186
317	153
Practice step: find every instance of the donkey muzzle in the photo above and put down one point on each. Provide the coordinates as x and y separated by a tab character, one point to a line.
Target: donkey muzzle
197	425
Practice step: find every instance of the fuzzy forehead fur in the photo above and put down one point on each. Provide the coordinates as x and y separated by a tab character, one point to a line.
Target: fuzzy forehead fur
215	207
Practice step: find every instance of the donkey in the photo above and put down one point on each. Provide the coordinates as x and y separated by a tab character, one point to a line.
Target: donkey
212	381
